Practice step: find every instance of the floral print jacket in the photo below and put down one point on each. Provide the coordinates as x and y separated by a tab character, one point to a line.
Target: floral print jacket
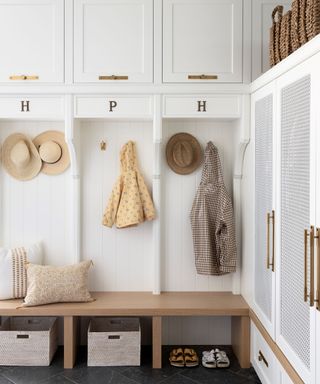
130	203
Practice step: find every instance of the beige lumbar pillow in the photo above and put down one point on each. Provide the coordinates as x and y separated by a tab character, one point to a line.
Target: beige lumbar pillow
48	284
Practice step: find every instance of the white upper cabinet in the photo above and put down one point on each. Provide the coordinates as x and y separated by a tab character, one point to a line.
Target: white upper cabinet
113	41
31	41
202	41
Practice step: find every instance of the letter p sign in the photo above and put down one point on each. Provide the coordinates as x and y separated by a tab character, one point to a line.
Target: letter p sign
112	105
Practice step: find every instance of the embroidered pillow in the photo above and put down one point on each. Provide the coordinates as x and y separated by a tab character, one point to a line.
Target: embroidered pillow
48	284
13	275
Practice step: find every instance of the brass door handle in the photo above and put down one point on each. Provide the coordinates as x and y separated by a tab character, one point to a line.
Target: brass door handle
317	297
270	216
262	358
202	77
24	77
113	77
305	293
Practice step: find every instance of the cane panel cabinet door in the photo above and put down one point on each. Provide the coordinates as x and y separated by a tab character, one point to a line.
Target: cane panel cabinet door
202	41
263	123
36	54
295	216
113	41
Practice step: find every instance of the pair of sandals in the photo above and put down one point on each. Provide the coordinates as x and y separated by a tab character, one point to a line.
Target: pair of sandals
215	359
186	357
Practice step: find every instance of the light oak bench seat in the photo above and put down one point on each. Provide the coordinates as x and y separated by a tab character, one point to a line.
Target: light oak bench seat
146	304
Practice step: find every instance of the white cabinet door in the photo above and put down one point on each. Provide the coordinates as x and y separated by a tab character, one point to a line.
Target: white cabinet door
113	41
261	24
32	41
263	122
295	213
202	37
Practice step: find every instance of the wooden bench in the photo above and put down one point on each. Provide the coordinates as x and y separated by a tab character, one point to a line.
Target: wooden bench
146	304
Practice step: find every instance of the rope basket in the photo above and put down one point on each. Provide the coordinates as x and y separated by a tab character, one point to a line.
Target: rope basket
294	32
274	45
285	37
312	18
302	21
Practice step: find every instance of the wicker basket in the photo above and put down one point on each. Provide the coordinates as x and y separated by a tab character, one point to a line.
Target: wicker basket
312	18
114	342
285	36
303	21
28	340
294	30
274	44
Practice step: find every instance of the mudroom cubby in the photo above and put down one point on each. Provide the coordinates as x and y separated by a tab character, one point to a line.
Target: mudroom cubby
123	257
38	209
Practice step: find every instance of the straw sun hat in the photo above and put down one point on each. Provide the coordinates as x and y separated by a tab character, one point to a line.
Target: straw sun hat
184	153
20	157
53	152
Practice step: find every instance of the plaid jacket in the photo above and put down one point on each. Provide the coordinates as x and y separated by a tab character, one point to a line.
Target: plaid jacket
212	221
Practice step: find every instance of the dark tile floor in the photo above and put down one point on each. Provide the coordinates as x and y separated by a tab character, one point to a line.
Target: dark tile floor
81	374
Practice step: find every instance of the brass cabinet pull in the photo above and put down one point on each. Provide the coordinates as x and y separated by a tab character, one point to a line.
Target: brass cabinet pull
23	77
113	77
202	77
270	216
317	299
262	358
306	234
311	296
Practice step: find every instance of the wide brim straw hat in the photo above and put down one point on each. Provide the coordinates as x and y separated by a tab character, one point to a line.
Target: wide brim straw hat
184	153
20	157
53	151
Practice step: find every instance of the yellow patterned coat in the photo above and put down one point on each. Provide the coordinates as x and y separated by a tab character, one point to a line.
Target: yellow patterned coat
130	202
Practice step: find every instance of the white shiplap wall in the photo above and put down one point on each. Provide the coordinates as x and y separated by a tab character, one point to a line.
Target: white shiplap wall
36	210
122	257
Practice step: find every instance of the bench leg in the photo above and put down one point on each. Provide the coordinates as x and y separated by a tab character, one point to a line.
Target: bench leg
156	342
240	336
70	341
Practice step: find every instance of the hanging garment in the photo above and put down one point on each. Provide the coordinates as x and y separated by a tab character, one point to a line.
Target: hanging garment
130	203
212	220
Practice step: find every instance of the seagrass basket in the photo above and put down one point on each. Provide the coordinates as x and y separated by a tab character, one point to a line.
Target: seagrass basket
312	18
274	43
303	21
294	30
285	36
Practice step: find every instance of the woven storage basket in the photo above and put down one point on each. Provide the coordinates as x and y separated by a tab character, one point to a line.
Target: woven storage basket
274	43
312	18
294	30
28	340
285	37
114	342
303	21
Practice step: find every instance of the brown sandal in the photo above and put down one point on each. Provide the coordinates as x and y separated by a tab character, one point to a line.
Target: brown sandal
176	358
190	357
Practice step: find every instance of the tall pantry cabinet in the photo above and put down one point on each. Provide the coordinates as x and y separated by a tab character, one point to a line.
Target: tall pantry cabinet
286	273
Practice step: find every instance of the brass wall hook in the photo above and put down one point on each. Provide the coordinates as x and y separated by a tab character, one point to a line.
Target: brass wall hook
103	145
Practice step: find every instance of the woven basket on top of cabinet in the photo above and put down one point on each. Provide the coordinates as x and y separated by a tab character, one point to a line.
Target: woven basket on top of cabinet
28	340
114	342
312	18
285	36
274	44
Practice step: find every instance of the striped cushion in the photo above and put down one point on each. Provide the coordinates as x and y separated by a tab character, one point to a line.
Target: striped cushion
13	276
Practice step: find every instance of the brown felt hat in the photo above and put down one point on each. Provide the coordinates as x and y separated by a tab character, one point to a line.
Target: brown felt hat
20	157
53	151
184	153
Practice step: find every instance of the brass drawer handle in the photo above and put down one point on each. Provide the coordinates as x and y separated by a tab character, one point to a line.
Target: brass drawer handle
23	77
202	77
317	300
270	216
311	266
113	77
262	358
